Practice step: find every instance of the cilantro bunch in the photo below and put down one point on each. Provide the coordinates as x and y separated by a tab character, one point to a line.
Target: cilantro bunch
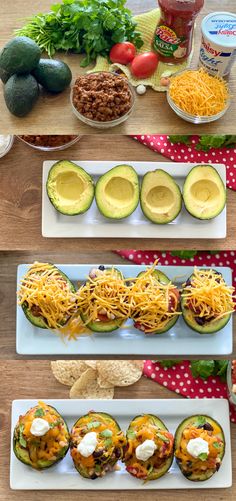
83	26
201	368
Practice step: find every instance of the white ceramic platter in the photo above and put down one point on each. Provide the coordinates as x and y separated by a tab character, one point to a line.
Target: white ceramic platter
172	412
127	340
93	224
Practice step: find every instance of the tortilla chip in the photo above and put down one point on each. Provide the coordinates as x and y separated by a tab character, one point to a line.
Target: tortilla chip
118	372
68	371
87	387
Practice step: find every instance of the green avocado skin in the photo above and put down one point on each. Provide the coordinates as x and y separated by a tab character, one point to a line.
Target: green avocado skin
20	55
21	93
178	435
53	75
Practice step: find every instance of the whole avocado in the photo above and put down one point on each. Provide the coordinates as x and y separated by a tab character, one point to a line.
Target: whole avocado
53	75
20	55
21	93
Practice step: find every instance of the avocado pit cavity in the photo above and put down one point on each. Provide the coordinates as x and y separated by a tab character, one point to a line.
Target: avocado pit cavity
160	199
205	191
119	190
70	185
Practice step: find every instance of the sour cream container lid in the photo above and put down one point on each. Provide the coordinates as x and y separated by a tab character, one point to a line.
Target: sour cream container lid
220	28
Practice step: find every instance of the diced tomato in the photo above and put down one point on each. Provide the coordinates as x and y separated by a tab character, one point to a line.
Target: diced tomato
103	318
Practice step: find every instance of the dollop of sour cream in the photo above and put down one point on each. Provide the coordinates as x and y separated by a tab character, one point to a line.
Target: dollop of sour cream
39	427
197	446
88	444
145	450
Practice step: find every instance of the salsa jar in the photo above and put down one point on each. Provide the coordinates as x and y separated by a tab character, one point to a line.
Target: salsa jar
174	32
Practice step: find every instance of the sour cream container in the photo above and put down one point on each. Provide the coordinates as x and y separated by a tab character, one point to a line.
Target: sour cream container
218	46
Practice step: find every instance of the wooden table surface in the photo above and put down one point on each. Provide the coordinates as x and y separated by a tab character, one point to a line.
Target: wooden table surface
8	268
152	114
36	381
20	199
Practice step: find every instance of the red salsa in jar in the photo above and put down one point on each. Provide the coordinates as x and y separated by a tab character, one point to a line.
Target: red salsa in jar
174	32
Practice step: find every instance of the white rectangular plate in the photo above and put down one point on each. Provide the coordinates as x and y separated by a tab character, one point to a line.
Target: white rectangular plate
172	412
127	340
93	224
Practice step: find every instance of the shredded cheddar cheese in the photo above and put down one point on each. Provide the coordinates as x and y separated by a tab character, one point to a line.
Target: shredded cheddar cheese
47	294
152	303
208	295
198	93
104	295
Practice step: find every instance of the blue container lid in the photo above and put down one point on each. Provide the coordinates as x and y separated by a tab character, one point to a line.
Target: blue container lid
220	28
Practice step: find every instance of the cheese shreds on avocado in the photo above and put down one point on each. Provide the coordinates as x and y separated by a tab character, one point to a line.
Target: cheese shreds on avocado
208	295
44	287
150	301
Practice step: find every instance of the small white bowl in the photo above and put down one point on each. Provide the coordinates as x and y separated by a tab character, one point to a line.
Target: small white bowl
8	146
51	148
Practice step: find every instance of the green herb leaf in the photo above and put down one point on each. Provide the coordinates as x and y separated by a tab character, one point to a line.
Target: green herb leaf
184	254
22	440
108	442
169	363
203	456
98	468
106	433
216	445
180	139
56	423
202	368
131	434
200	420
93	424
39	412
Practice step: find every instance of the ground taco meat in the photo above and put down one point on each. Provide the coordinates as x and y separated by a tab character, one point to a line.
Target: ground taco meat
48	141
102	96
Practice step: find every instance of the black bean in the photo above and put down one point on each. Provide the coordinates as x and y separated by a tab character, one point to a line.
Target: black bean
101	267
117	452
206	426
93	476
97	454
200	320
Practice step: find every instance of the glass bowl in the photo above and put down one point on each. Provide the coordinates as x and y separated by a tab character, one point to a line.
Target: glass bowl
195	119
109	123
8	146
51	148
231	395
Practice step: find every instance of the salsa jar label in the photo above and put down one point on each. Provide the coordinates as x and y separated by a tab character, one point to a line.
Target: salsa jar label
168	44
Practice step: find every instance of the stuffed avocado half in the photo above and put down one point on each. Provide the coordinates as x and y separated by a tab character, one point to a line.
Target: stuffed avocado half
96	444
207	302
159	300
102	300
70	188
199	447
204	192
160	198
149	452
47	296
117	192
41	437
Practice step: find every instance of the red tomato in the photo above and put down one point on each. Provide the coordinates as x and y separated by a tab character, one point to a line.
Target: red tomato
144	65
122	53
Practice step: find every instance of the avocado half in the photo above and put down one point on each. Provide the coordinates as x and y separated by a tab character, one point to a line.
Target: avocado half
23	455
209	327
162	470
162	278
160	198
117	192
194	421
84	472
204	192
70	188
39	321
110	325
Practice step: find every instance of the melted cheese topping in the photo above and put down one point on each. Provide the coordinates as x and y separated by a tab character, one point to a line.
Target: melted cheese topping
105	294
208	295
198	93
46	289
150	301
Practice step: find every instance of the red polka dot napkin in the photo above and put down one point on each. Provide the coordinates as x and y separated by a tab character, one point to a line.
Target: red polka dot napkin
188	153
180	380
203	258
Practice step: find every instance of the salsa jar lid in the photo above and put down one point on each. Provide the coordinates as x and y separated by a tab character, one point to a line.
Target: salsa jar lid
220	28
